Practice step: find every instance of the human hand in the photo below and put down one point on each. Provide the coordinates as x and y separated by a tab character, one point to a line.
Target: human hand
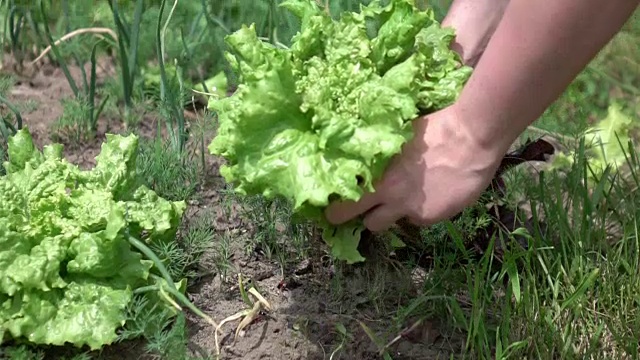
441	171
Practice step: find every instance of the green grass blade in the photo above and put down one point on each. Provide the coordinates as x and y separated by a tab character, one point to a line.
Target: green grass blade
171	100
133	46
5	129
14	110
5	24
85	83
160	50
187	51
92	89
194	25
514	280
213	21
101	107
66	12
14	27
54	49
39	37
586	283
123	39
163	72
124	34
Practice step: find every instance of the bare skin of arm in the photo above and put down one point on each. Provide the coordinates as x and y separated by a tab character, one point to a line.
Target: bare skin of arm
537	49
534	54
474	21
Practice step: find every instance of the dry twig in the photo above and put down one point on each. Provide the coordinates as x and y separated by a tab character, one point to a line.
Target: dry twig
93	30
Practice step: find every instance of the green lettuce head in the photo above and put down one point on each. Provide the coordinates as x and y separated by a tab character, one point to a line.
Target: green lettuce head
320	121
67	269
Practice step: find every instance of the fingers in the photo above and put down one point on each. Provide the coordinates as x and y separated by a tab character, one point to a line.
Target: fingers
382	218
341	212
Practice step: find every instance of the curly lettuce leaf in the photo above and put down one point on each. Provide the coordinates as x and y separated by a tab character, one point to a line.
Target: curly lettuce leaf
606	144
115	169
21	150
396	37
81	314
320	121
67	269
608	140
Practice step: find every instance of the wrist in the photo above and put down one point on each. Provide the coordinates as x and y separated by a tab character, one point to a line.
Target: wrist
465	149
488	141
488	149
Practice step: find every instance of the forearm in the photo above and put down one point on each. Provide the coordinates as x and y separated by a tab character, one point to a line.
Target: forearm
534	54
474	22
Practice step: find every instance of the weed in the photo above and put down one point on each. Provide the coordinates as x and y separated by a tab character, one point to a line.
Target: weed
170	173
172	106
201	128
184	254
278	233
143	320
86	124
222	256
6	83
128	36
21	352
170	343
344	336
264	214
3	158
247	315
72	126
166	334
11	120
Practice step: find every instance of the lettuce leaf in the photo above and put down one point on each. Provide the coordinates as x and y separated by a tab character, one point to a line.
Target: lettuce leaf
606	148
321	120
67	270
608	140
